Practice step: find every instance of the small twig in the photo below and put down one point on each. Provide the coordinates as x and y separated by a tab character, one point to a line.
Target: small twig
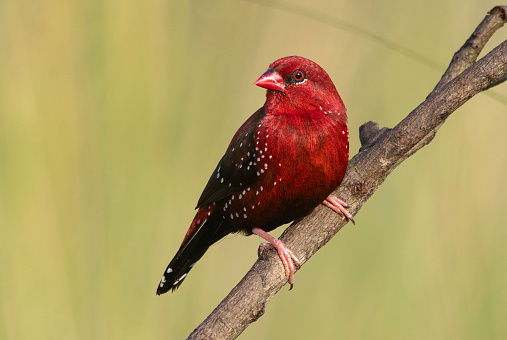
369	132
469	52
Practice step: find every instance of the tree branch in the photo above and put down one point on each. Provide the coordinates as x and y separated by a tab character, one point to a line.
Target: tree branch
468	53
381	152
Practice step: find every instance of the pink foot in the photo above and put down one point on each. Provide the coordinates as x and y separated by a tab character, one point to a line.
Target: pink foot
289	260
338	206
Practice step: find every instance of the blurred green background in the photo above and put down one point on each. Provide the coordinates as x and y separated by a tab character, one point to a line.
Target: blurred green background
113	114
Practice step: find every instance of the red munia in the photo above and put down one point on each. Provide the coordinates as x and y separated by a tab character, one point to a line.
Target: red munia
284	161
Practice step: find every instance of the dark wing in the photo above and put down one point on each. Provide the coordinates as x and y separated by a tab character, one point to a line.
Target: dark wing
237	169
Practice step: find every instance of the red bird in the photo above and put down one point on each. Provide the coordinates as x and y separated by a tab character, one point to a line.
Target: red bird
284	161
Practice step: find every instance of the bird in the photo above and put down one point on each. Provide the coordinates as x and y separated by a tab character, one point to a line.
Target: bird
283	162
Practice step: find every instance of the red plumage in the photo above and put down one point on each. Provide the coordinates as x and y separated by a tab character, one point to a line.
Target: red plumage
284	161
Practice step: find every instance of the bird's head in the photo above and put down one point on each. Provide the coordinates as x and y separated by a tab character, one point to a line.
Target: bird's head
297	85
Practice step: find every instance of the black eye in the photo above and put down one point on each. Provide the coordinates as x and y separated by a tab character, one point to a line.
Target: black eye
298	76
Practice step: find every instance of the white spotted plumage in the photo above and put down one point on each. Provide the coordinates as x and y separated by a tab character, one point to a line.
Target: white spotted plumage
250	192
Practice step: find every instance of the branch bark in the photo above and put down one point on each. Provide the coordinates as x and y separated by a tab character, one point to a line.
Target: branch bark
381	152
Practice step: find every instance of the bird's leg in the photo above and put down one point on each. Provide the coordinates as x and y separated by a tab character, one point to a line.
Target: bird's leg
289	260
338	206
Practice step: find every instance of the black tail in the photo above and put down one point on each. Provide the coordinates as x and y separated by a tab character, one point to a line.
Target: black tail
210	231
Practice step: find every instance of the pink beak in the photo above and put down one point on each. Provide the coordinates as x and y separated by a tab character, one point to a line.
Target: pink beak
271	80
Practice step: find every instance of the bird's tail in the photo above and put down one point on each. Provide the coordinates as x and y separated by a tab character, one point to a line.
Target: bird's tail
206	229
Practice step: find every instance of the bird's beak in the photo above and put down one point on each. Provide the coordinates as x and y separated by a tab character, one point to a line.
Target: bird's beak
271	80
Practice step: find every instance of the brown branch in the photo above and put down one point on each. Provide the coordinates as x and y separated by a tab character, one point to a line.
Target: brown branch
469	52
382	151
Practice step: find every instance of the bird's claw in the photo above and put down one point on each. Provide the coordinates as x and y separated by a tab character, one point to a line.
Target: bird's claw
339	207
289	261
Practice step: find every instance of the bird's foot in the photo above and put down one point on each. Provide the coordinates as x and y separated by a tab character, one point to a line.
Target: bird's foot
289	260
338	206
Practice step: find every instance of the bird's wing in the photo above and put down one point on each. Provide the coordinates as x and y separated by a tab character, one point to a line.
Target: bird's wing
238	167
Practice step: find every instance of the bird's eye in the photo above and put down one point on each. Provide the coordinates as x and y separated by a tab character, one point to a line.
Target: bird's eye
298	76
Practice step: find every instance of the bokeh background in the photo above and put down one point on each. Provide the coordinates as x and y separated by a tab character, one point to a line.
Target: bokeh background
114	113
